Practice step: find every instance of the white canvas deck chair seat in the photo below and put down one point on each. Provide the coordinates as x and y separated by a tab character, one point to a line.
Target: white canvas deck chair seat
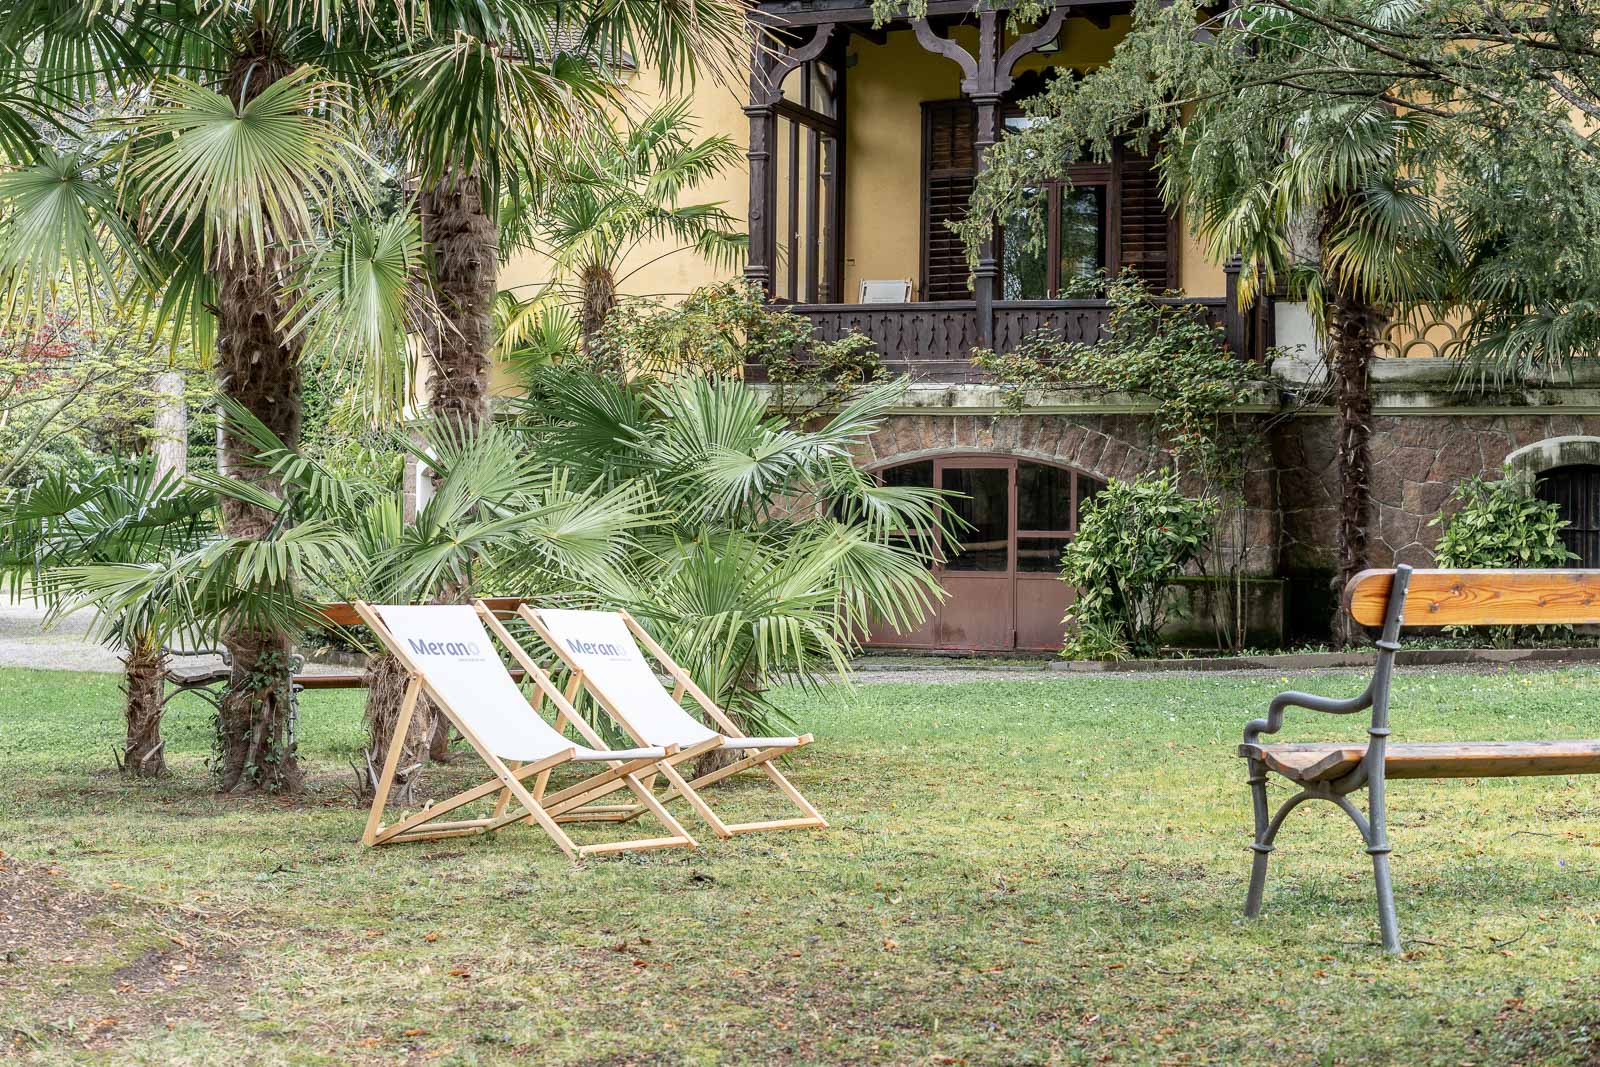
601	649
449	656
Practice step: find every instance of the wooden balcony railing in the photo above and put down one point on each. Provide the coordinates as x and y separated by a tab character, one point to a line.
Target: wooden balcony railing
933	341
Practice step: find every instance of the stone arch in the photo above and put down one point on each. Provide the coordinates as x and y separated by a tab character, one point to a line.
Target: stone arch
1572	450
1102	447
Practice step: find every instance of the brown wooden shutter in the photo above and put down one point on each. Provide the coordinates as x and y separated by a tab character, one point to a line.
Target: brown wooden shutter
1145	235
949	129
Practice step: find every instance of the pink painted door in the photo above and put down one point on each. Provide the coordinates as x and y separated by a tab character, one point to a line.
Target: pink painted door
1001	569
978	573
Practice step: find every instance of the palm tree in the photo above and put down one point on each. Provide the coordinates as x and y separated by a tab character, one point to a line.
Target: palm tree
222	587
202	160
774	553
493	509
483	98
119	515
1376	251
194	154
595	210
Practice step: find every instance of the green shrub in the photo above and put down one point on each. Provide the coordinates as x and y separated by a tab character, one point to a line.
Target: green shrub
1501	523
1134	538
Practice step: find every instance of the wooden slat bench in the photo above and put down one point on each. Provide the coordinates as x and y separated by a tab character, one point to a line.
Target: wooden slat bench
1332	772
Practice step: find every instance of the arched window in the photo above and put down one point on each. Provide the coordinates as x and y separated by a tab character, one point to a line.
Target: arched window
1575	490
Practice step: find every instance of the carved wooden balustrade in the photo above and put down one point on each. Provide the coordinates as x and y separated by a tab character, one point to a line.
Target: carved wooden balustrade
933	340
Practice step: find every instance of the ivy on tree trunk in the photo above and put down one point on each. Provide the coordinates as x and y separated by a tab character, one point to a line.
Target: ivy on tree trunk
258	364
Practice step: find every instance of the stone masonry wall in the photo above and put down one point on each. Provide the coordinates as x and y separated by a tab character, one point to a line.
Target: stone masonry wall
1417	461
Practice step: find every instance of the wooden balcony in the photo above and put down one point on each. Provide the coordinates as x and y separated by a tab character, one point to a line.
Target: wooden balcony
933	340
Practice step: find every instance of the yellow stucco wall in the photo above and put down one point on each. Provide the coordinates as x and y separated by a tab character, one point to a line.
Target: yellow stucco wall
886	88
886	85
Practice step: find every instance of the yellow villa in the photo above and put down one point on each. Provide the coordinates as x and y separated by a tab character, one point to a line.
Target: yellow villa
862	142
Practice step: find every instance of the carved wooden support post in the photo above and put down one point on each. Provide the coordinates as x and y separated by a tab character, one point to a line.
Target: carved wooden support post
986	272
985	93
763	182
986	77
768	68
1235	323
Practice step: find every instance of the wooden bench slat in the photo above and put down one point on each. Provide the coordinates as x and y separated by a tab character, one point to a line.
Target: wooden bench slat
345	615
1433	759
349	680
1480	597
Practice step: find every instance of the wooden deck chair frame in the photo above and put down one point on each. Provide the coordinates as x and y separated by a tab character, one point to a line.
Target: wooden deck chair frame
678	785
532	806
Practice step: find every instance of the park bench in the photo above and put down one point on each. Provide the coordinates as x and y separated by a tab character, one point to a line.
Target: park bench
1333	772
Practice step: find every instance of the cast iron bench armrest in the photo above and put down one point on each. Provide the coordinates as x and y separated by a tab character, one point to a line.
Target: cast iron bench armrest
1311	702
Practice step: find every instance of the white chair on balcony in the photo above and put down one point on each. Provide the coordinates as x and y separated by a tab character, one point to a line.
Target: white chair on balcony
889	291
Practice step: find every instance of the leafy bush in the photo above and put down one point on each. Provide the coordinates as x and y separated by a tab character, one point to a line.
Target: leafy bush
715	330
1133	540
1501	523
719	329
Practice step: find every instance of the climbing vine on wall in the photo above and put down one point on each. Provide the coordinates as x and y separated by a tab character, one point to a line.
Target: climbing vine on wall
1168	356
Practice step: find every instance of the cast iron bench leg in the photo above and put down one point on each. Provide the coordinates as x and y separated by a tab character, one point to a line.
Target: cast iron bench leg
1378	848
1262	845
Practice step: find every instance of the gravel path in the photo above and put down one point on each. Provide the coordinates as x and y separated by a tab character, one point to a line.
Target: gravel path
66	646
24	642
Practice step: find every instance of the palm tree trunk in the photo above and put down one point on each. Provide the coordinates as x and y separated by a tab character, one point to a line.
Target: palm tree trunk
259	366
1353	325
464	240
599	299
143	750
466	271
386	686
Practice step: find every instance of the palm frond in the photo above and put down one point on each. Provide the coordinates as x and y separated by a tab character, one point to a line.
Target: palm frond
244	176
362	293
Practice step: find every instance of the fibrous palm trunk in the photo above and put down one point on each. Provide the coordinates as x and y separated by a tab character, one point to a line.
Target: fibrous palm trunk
259	367
386	686
466	272
599	300
143	751
464	241
1353	325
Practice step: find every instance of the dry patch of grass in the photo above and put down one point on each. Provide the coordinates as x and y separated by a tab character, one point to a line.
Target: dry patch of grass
87	971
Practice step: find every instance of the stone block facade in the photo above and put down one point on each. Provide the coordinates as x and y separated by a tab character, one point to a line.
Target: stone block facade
1428	436
1418	460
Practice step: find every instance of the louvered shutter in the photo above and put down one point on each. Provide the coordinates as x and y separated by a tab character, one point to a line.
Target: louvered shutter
1147	238
949	129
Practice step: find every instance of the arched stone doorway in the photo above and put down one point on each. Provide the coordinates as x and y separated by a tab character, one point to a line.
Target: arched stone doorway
1001	570
1567	473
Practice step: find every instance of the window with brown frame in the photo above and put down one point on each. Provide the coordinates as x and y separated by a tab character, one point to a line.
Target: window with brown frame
1103	217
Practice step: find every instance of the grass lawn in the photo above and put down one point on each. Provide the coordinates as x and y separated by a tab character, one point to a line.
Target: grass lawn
1019	871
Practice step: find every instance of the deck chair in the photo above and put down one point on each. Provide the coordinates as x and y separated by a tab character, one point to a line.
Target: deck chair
448	655
601	648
